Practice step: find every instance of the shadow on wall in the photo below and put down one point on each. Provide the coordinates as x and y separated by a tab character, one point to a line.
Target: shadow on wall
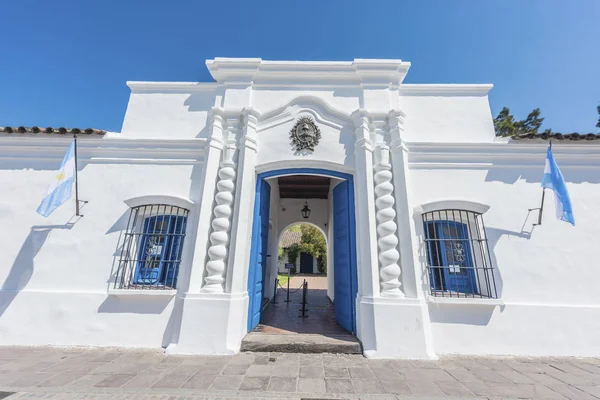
141	304
23	266
201	102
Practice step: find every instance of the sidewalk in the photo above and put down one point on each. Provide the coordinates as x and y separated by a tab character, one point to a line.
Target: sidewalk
78	373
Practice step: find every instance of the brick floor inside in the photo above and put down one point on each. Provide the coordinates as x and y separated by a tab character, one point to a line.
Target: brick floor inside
77	373
285	318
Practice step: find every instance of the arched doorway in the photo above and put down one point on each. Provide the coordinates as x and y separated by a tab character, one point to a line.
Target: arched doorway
341	233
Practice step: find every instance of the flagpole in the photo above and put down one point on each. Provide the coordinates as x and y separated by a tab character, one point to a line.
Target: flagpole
76	183
543	195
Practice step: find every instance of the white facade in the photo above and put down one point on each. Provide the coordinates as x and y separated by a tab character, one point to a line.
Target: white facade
201	145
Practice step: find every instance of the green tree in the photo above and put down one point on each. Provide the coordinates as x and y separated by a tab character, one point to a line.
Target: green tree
506	126
504	123
598	124
312	242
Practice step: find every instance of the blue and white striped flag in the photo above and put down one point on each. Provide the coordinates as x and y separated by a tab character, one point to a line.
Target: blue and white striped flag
61	189
553	179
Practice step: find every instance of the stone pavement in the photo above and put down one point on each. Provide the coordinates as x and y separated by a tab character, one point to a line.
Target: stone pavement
79	373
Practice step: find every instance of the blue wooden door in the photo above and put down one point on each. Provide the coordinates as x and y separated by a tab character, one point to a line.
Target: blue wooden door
153	248
455	257
258	258
343	271
306	263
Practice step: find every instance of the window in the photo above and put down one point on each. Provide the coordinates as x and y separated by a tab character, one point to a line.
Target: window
151	247
458	258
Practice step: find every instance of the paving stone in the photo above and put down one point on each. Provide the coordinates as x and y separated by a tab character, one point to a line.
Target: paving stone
514	390
388	374
242	359
367	386
256	370
424	387
451	365
425	364
395	386
543	379
310	359
544	392
480	388
516	377
60	380
568	368
171	381
338	385
86	381
436	375
361	372
464	376
489	376
255	383
311	385
236	369
201	381
210	369
336	372
29	379
336	361
571	392
311	372
115	380
454	388
569	378
229	382
279	384
261	360
143	381
593	390
285	371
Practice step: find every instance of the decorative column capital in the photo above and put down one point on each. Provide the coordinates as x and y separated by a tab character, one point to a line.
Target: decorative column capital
250	127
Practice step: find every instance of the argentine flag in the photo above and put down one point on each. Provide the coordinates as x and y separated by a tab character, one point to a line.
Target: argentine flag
553	179
60	190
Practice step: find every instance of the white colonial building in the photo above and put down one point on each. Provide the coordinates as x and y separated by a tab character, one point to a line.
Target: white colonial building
433	247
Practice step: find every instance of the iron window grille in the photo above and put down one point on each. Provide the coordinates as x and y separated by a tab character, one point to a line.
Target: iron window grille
458	256
151	247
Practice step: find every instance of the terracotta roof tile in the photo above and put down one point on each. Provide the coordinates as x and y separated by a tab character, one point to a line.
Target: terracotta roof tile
557	136
50	130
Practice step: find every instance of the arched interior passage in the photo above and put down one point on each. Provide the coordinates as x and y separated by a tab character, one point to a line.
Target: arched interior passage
321	199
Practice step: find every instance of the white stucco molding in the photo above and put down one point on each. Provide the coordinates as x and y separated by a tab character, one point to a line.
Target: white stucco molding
467	205
421	89
321	110
141	86
142	292
464	301
307	73
171	200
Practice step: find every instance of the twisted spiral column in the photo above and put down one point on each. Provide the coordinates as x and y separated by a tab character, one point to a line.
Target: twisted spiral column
389	270
219	238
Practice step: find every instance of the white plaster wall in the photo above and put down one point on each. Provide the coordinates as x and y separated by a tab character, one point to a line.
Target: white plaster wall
546	277
168	115
344	99
54	275
319	215
447	118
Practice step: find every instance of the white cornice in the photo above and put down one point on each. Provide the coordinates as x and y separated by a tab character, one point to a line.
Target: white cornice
107	150
444	89
500	154
162	198
256	71
137	86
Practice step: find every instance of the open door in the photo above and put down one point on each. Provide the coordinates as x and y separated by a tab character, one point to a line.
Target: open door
258	257
345	287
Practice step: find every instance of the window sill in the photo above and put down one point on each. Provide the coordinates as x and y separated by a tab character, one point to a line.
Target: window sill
142	292
469	301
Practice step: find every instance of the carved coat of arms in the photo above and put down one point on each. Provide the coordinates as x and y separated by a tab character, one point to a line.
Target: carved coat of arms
305	134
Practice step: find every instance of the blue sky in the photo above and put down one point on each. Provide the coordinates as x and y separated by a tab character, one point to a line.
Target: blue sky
65	62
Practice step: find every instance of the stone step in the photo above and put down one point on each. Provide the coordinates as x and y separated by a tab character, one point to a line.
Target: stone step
301	343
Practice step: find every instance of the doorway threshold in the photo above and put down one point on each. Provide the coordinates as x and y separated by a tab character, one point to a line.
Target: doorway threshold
301	343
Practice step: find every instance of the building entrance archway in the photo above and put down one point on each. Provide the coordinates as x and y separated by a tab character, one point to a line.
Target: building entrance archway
340	234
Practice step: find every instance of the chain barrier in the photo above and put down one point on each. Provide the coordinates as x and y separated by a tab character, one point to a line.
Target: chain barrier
290	291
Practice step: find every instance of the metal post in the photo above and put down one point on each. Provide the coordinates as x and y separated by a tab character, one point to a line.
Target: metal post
76	182
304	293
543	195
275	291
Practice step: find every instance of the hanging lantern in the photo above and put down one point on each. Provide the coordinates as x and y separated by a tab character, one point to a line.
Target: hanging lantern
305	211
